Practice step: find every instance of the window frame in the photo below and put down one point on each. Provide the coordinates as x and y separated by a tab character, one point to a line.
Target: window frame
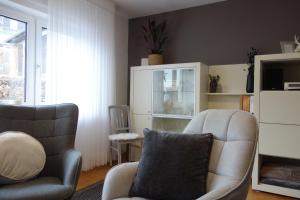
40	23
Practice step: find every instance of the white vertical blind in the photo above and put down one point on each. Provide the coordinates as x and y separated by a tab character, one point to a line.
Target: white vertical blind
81	69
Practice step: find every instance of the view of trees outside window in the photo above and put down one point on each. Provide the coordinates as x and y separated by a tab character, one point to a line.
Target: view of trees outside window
12	60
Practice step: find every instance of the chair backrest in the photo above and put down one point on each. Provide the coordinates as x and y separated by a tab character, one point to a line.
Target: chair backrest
119	118
235	137
54	126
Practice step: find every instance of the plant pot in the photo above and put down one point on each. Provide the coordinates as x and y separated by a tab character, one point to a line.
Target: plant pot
155	59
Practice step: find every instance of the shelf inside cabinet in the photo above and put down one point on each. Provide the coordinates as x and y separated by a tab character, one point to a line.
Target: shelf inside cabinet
176	125
172	116
230	94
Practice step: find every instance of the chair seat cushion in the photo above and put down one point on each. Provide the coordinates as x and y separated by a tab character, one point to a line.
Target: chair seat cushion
37	189
124	136
22	157
131	198
173	166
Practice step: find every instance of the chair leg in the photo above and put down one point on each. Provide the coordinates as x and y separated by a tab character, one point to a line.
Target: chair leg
129	152
110	154
119	152
141	149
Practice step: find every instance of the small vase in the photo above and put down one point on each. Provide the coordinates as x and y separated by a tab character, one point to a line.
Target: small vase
155	59
250	79
213	86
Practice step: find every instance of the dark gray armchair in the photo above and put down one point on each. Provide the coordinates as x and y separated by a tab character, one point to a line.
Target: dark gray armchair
55	127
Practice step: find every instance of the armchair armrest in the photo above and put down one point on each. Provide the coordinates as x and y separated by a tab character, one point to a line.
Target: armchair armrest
71	167
229	192
118	181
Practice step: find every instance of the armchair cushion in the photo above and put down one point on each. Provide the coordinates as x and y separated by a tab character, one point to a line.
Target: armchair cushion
36	189
173	166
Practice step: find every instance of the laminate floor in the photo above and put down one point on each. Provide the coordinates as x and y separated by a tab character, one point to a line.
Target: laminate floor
98	174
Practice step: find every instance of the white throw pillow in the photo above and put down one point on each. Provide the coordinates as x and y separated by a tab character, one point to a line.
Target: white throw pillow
22	157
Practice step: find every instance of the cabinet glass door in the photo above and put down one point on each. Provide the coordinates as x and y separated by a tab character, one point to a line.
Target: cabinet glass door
169	124
174	92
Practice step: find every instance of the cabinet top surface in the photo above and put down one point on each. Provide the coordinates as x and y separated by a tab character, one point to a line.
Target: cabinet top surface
278	57
164	66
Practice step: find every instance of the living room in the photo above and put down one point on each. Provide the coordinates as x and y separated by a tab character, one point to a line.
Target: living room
149	99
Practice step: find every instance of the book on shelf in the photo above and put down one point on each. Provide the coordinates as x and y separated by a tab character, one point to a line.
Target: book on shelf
247	103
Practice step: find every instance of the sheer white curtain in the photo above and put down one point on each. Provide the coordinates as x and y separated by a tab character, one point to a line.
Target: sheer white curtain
81	69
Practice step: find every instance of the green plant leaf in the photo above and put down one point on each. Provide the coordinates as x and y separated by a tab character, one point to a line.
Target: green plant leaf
144	28
163	41
155	35
146	38
163	26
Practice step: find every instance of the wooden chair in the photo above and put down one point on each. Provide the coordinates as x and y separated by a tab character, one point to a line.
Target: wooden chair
120	127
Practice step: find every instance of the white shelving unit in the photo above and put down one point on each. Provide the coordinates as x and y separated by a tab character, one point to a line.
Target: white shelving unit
278	116
232	85
166	97
143	89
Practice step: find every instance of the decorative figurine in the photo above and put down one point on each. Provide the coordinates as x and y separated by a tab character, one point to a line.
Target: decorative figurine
213	85
250	77
298	43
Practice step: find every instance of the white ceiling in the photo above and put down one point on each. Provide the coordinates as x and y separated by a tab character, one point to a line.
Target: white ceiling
139	8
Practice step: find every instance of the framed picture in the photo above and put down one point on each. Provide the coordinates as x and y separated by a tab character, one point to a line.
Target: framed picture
287	46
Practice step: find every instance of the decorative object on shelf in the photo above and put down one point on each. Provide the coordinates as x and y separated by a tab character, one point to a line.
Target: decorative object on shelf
144	61
297	49
213	85
155	36
250	78
155	59
287	46
245	103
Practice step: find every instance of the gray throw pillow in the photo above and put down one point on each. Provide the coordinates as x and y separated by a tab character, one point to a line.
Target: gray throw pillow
172	166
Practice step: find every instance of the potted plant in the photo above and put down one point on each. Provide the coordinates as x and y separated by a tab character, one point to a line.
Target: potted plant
155	36
250	78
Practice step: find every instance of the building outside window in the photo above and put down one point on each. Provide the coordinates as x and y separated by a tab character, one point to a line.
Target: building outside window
12	60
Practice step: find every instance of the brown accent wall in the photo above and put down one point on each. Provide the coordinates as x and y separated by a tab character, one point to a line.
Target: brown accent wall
221	33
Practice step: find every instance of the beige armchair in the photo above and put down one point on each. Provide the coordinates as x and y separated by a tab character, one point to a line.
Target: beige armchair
235	137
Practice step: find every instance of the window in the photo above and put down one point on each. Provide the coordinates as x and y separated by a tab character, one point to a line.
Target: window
23	39
12	60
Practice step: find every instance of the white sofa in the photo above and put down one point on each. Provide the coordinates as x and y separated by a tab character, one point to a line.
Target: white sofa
235	138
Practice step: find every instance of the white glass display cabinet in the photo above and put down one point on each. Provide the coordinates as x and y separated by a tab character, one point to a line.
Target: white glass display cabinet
173	92
166	97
